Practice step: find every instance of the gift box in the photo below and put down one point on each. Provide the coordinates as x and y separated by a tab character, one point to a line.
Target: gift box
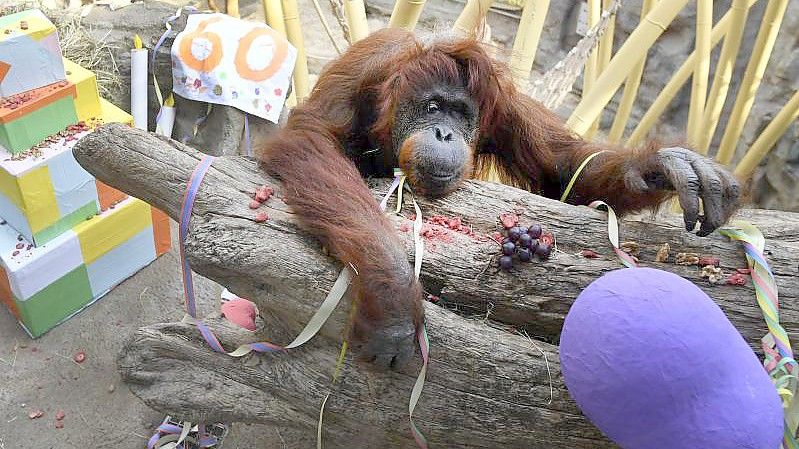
87	99
28	118
30	55
44	191
113	114
43	286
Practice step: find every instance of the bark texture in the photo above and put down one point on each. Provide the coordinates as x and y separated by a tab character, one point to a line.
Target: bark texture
488	384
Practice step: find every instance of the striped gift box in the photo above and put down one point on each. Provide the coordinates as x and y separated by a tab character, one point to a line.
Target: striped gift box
30	55
43	286
46	191
28	118
87	98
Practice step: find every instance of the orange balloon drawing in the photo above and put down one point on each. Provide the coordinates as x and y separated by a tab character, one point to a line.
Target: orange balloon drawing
212	60
278	56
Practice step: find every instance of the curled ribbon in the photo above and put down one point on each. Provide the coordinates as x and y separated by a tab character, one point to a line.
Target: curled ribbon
779	359
322	314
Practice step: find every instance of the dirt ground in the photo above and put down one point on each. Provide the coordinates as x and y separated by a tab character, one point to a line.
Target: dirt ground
100	411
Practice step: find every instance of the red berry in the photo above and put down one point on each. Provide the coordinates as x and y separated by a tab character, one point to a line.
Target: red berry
254	204
508	220
261	217
589	254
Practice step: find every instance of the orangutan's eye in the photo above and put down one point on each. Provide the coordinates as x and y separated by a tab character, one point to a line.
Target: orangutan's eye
432	107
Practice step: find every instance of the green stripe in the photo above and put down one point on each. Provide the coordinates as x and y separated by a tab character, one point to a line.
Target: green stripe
48	307
21	134
66	223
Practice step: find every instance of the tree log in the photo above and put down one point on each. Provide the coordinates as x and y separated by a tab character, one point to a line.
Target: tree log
488	384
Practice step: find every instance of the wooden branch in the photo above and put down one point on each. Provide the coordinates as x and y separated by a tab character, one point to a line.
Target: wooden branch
487	387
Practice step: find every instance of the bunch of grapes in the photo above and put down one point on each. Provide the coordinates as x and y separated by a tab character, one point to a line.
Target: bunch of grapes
523	243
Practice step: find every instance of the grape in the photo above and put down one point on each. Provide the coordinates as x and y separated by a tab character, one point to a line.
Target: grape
525	255
506	262
513	234
505	240
525	240
533	246
535	231
508	248
543	251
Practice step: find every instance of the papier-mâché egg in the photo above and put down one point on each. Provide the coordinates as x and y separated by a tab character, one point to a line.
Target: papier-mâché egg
654	363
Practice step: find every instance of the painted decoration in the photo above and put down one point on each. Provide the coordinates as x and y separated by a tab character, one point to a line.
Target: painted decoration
30	55
653	362
46	192
43	286
223	60
87	98
28	118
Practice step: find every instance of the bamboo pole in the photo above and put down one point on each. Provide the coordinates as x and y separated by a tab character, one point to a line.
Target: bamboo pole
724	68
473	14
704	25
525	44
356	19
633	50
273	13
291	17
766	140
606	43
761	53
590	73
406	13
676	82
630	90
233	8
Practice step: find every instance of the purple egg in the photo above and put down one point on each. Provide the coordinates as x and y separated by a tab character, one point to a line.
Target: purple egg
653	362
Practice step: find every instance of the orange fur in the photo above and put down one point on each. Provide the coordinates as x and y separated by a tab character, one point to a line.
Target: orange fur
325	189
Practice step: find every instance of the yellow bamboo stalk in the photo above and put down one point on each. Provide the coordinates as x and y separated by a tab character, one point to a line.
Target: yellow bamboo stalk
633	50
631	85
591	70
406	13
676	82
273	12
606	43
473	14
356	19
233	8
704	25
525	44
766	140
724	68
291	17
761	53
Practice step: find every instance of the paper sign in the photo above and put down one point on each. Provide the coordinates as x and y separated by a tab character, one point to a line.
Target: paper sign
223	60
